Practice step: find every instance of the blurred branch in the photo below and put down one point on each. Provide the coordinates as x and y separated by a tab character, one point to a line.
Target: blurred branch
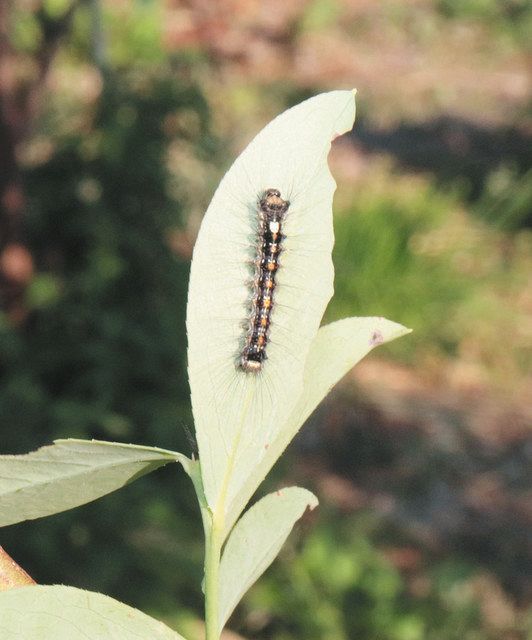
97	36
20	99
53	29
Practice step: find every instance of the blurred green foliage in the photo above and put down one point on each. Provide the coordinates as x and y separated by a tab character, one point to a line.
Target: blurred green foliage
410	251
506	202
102	350
382	269
102	353
107	305
352	590
513	18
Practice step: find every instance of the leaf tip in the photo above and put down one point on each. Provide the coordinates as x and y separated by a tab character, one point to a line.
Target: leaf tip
385	331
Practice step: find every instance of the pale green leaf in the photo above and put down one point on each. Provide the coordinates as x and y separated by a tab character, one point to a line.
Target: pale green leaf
69	473
255	542
335	350
237	414
65	613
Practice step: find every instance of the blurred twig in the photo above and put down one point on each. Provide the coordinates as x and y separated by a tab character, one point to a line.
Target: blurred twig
20	99
98	45
11	575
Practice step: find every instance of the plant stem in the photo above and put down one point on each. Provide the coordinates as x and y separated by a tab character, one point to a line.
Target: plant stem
214	527
212	582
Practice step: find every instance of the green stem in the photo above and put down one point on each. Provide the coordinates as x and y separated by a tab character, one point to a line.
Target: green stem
212	582
214	526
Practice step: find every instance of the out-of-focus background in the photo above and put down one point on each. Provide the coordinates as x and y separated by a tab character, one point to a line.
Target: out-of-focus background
117	120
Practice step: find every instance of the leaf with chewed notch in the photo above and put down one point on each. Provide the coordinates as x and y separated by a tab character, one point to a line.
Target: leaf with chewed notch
65	613
70	473
237	413
336	349
255	542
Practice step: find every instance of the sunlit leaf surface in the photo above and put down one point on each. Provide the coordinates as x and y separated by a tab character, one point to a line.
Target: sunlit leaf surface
237	414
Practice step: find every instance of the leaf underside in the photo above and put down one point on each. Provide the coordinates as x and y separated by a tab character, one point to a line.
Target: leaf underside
65	613
255	542
238	414
70	473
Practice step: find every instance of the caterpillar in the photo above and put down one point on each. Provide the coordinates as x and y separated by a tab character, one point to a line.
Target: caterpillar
271	212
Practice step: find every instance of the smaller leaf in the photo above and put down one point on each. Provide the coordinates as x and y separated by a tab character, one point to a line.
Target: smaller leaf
66	613
70	473
255	542
335	350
